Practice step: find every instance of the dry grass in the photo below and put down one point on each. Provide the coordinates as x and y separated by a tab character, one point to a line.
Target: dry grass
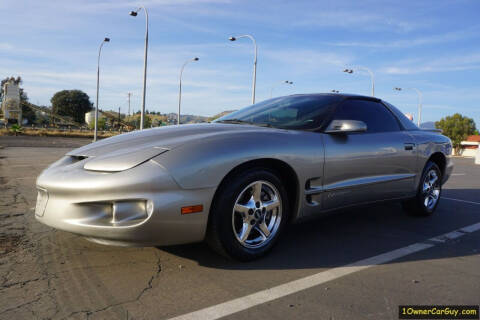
59	133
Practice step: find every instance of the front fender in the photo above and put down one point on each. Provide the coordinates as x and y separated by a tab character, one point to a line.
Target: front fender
205	163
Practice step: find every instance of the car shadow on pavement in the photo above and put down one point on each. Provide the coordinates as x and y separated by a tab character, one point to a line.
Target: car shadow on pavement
347	236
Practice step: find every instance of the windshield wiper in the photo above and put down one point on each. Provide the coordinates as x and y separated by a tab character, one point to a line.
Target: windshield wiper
235	121
239	121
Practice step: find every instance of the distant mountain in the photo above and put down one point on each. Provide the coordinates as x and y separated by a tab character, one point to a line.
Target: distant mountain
428	125
186	118
221	114
171	118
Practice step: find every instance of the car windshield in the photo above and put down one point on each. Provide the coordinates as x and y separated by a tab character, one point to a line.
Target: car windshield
301	112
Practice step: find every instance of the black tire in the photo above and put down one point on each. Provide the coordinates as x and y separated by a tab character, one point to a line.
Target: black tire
417	205
221	235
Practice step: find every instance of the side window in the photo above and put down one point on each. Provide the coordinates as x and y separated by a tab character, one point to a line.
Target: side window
409	125
375	115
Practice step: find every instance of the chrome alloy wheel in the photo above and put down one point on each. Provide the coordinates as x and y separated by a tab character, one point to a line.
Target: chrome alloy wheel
431	189
257	214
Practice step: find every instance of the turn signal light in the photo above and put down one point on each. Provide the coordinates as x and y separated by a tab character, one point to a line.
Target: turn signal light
192	209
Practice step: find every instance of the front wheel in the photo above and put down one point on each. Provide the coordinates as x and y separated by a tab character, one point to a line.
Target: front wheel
429	192
248	214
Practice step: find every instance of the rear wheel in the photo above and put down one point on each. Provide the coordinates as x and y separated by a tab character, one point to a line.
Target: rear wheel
248	215
429	192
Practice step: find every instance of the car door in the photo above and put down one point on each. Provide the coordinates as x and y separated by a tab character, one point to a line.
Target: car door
362	167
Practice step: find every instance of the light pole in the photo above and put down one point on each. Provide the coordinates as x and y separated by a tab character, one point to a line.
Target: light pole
274	86
372	77
180	87
98	82
134	14
419	94
254	61
129	95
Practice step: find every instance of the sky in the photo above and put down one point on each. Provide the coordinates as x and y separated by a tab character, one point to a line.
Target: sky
433	46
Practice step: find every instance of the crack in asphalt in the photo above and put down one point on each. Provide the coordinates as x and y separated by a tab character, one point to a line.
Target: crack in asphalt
19	248
21	283
21	305
149	286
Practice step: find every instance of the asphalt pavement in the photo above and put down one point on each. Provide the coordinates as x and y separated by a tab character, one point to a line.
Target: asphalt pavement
324	269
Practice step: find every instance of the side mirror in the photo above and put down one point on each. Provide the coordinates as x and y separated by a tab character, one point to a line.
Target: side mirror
346	126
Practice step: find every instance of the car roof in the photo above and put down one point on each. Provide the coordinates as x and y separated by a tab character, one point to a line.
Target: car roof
344	95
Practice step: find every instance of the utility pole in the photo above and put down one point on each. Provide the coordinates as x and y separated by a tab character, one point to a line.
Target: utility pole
129	95
254	80
180	88
134	14
370	72
98	81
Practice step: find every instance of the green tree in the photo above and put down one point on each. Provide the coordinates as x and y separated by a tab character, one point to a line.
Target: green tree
101	125
16	129
147	122
27	112
71	103
457	128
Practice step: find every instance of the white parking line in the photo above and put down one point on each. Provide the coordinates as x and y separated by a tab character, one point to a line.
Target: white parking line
459	200
457	174
255	299
471	228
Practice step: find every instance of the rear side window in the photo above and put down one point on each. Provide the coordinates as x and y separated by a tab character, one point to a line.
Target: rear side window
406	123
375	115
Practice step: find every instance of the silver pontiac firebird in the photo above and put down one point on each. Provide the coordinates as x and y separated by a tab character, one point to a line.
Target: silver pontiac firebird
239	181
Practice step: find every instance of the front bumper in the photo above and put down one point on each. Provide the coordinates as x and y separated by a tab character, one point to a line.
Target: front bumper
140	206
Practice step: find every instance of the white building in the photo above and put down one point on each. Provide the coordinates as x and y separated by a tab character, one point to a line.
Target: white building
90	117
11	102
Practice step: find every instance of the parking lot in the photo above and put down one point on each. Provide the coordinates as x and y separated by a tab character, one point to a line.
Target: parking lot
345	266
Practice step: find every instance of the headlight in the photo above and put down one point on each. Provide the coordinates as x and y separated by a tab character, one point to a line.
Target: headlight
122	160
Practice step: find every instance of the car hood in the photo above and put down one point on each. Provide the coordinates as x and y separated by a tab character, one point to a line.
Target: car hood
125	151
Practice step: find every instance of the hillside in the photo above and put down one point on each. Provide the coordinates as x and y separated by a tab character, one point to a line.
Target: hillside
428	125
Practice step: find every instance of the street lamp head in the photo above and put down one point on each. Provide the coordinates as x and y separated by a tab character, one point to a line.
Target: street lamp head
106	39
348	70
397	88
232	38
196	59
133	13
290	82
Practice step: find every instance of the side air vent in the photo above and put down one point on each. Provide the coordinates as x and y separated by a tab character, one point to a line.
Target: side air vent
313	190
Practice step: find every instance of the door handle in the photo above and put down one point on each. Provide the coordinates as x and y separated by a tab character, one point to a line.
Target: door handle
409	146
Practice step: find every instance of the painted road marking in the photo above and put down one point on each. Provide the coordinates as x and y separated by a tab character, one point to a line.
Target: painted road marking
466	201
236	305
471	228
457	174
